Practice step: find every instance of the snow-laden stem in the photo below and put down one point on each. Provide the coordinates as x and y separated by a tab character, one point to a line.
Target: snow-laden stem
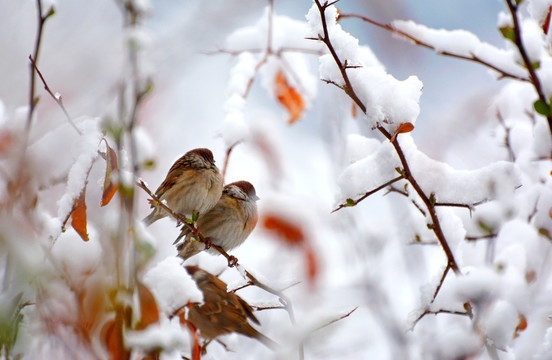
503	73
527	62
407	174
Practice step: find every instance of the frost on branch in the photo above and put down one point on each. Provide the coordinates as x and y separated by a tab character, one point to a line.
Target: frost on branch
463	43
389	102
374	164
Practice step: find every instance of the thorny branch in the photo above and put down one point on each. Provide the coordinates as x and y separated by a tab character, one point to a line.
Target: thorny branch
284	300
473	58
349	90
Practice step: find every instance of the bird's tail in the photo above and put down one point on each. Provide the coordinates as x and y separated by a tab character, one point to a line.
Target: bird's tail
153	217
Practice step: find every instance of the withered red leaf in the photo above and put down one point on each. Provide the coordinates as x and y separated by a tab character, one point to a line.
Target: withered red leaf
289	232
313	268
148	307
403	128
288	97
78	215
109	188
112	336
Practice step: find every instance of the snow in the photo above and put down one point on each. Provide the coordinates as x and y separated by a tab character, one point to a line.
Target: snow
166	334
78	174
233	128
388	101
171	285
449	185
375	169
369	255
463	43
538	9
145	148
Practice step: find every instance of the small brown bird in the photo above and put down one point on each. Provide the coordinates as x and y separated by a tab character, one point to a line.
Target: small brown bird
193	183
222	312
227	224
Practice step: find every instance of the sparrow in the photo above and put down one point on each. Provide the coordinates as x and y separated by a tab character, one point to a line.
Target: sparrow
194	183
227	224
221	312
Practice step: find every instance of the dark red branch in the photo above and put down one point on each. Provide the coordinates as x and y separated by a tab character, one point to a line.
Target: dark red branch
407	174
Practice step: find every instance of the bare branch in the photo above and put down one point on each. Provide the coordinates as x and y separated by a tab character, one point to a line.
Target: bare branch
228	152
57	98
32	99
467	313
335	320
447	268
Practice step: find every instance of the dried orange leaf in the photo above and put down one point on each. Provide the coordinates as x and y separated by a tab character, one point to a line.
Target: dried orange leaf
403	128
313	268
354	110
112	336
109	188
78	215
522	325
148	307
289	97
284	229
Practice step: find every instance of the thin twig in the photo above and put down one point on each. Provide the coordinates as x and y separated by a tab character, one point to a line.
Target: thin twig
355	202
335	320
32	99
227	158
57	98
442	311
480	237
507	142
447	268
473	58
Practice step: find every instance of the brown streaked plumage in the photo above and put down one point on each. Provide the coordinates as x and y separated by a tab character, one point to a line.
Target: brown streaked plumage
221	312
193	183
227	224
